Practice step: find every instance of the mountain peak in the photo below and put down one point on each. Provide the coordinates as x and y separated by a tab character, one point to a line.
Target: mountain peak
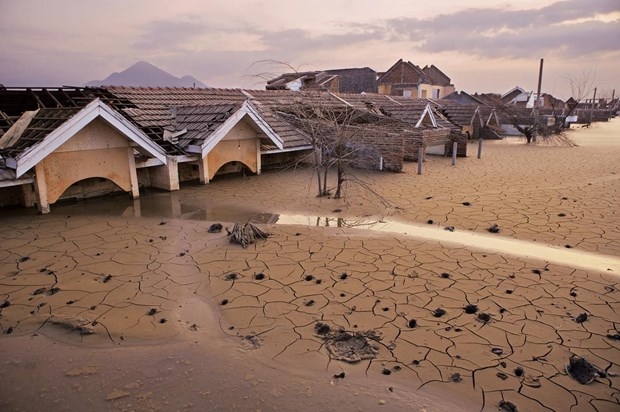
145	74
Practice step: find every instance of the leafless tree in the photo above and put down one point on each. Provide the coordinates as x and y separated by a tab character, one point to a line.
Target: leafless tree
581	85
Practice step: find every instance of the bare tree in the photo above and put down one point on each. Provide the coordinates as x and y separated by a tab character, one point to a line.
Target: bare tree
520	118
581	85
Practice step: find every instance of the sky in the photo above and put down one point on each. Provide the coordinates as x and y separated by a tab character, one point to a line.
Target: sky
482	45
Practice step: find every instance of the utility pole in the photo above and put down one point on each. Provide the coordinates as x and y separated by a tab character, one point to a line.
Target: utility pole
536	108
592	107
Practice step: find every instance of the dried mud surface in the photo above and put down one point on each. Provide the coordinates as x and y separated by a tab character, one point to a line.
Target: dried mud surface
139	307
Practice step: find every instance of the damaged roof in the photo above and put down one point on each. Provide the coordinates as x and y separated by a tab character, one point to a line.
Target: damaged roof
177	119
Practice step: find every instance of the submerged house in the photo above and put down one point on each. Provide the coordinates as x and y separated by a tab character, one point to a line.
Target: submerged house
476	121
47	150
79	142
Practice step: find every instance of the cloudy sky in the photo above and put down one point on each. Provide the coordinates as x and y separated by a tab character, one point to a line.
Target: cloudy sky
482	45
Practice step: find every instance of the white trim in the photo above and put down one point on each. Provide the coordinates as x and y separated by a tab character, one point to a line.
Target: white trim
186	158
427	111
263	124
290	149
479	117
246	109
341	99
148	163
35	154
394	100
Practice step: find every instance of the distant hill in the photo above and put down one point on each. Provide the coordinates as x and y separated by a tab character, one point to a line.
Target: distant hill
144	74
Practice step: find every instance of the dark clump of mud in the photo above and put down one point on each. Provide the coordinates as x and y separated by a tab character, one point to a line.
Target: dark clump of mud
439	312
582	370
470	309
232	276
484	317
582	317
215	228
494	228
507	406
322	328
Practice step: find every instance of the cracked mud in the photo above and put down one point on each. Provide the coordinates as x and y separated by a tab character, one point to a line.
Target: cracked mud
410	314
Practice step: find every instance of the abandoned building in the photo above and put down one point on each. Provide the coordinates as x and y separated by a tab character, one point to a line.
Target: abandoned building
403	79
408	80
81	142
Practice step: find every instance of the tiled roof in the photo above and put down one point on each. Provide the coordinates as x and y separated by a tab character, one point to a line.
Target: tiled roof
461	115
201	111
201	121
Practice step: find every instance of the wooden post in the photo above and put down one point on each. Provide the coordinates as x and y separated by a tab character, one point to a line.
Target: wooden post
479	148
420	159
455	146
592	107
536	106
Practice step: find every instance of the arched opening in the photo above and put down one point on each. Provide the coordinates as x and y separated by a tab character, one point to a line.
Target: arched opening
89	187
234	168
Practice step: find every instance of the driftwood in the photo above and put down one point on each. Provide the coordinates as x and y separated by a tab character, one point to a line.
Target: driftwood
244	234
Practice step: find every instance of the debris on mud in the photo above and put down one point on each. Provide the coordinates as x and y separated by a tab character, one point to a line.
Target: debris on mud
350	347
251	341
82	326
507	406
244	234
582	370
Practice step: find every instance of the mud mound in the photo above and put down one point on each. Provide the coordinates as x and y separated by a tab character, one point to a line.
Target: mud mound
352	346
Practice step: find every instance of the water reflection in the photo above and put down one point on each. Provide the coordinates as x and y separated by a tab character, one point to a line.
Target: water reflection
170	205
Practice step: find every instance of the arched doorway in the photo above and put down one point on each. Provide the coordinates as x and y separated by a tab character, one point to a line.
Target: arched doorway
90	187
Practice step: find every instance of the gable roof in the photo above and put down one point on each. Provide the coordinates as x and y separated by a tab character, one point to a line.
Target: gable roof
461	115
50	128
403	70
436	76
207	125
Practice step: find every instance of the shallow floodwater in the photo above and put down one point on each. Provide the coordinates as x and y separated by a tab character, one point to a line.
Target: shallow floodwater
171	205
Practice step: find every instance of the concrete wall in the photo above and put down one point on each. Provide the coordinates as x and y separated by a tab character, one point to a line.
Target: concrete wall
239	145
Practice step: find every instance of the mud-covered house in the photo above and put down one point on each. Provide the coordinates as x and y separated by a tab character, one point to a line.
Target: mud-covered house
82	142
